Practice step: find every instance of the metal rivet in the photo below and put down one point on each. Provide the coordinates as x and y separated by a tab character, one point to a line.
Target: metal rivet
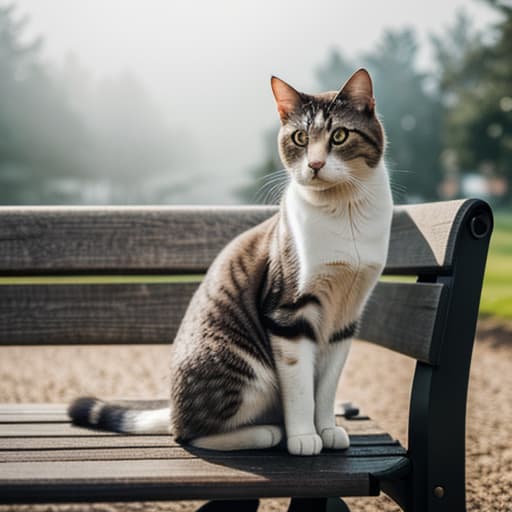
438	491
479	226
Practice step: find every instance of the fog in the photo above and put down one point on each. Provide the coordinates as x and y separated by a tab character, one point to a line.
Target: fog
203	69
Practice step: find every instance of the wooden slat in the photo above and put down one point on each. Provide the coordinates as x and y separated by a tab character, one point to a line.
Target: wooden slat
118	239
45	408
404	317
57	413
152	441
400	316
178	239
49	430
81	442
421	236
195	478
34	418
109	453
32	408
367	427
85	314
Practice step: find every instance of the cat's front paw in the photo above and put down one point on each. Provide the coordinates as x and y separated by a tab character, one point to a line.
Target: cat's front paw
305	444
335	438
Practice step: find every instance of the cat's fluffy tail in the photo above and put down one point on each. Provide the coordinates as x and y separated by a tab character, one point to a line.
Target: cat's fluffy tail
137	418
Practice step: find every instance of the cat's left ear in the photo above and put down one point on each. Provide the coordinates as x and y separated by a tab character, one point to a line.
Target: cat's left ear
358	89
287	98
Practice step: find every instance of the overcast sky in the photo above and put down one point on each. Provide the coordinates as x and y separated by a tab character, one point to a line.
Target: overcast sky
208	63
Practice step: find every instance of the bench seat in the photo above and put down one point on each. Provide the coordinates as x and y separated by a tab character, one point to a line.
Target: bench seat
43	458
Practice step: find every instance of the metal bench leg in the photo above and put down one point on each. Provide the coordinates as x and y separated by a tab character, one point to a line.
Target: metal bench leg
318	505
230	506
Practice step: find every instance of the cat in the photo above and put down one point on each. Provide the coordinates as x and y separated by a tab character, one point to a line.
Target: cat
260	350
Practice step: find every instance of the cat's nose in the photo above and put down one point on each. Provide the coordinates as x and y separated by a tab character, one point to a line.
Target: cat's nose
316	165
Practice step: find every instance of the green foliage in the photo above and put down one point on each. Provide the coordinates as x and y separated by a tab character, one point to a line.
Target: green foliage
497	290
35	123
477	88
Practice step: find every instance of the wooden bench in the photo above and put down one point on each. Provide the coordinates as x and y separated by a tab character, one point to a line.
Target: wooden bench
431	318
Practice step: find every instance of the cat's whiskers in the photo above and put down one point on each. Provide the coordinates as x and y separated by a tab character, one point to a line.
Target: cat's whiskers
273	174
272	194
272	188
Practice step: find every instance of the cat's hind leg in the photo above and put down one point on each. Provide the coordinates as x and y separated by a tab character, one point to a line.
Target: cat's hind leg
254	437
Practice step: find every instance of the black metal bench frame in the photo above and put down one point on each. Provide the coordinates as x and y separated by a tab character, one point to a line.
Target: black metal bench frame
434	477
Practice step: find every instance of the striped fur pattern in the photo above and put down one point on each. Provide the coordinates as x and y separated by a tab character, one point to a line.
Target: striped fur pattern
261	347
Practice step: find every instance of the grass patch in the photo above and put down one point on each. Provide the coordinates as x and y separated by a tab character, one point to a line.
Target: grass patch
497	290
145	279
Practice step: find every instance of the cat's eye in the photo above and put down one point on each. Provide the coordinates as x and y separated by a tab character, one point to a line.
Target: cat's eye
300	137
339	136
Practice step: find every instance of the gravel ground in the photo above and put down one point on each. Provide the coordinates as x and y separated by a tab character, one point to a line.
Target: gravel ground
57	374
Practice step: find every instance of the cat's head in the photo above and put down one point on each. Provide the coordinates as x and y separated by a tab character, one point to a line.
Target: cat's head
331	139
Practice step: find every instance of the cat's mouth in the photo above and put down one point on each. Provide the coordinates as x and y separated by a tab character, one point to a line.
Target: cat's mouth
319	183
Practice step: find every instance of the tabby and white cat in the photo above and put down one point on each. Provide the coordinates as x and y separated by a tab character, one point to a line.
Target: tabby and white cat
261	347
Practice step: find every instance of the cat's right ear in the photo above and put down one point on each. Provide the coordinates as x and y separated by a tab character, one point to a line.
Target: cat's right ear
287	98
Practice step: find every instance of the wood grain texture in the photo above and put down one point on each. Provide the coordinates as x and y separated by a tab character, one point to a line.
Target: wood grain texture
423	236
58	462
194	478
38	240
403	317
119	239
110	453
46	429
88	442
88	314
57	413
400	316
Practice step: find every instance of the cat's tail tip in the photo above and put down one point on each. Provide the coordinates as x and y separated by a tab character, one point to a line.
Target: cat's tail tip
86	410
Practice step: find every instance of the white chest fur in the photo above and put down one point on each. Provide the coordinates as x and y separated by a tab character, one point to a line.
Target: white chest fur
356	236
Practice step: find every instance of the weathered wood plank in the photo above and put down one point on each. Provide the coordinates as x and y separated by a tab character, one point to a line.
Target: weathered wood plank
57	413
119	239
85	314
49	430
179	239
43	409
109	453
119	441
34	418
400	316
364	427
195	478
403	317
423	236
83	442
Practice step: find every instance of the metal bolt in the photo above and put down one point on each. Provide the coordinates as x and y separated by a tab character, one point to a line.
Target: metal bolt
479	226
439	492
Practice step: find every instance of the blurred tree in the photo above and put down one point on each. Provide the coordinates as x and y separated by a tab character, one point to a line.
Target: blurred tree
36	127
477	89
337	68
66	139
411	113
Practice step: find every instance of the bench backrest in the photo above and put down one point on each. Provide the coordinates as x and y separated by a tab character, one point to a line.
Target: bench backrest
126	274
